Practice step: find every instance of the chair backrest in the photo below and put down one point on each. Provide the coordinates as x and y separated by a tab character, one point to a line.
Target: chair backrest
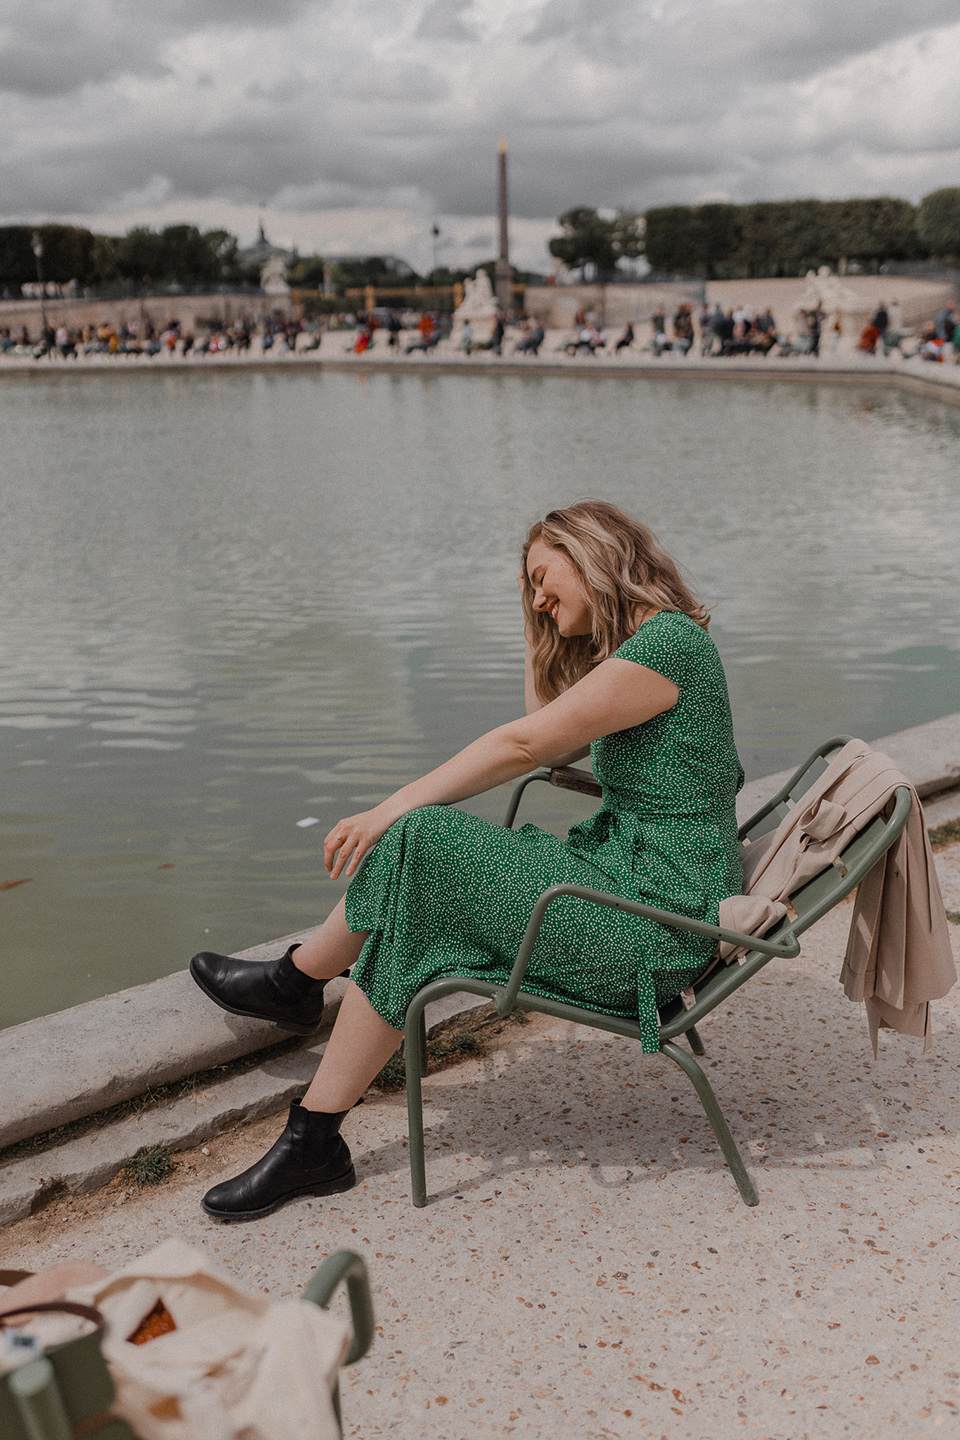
811	901
834	883
778	807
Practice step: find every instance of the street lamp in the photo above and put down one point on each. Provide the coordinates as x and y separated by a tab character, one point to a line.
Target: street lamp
37	245
435	235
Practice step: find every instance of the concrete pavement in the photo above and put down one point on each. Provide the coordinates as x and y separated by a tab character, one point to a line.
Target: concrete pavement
585	1268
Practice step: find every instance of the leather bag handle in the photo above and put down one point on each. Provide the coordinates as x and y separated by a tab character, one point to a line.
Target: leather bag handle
60	1307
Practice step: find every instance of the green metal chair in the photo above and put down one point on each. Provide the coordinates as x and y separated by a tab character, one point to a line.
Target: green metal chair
67	1391
809	903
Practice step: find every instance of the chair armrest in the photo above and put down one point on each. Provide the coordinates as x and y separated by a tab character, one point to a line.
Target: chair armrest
565	777
346	1266
786	948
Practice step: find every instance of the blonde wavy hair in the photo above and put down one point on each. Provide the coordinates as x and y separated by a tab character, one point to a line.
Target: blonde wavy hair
626	575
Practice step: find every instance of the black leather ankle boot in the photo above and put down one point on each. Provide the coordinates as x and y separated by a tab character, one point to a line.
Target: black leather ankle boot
264	990
310	1158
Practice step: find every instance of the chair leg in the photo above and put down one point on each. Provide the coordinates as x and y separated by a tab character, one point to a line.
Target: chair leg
696	1044
415	1055
669	1012
423	1043
715	1115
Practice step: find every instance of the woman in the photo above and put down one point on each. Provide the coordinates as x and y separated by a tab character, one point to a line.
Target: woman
617	659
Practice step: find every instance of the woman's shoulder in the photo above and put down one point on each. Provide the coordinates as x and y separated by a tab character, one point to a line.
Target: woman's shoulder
669	627
668	642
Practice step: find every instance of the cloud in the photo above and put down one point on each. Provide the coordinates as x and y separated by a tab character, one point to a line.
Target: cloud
393	106
444	20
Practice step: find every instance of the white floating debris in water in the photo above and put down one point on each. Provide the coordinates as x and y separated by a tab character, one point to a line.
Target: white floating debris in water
310	820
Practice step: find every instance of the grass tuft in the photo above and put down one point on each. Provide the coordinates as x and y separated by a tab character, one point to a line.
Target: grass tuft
453	1045
149	1166
393	1076
943	835
449	1047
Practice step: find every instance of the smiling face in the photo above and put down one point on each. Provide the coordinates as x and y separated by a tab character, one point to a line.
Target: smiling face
558	590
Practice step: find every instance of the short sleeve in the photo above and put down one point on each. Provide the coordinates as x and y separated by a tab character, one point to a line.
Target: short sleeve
666	643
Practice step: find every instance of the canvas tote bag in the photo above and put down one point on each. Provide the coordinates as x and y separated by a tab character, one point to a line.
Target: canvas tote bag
235	1367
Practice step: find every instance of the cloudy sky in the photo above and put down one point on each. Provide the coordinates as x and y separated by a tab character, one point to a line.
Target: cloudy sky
359	122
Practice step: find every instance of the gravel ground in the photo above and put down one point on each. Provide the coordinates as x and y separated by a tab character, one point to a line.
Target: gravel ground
585	1267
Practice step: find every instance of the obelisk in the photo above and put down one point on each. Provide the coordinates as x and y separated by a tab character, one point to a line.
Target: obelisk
504	293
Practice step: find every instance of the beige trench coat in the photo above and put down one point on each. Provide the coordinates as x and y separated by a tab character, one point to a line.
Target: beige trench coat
898	955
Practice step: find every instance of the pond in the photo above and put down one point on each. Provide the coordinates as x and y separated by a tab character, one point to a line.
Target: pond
236	601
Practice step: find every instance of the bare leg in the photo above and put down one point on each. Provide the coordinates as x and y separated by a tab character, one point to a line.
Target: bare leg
361	1044
331	949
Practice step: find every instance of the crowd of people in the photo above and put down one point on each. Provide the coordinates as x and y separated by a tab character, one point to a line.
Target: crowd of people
143	337
714	330
938	340
739	332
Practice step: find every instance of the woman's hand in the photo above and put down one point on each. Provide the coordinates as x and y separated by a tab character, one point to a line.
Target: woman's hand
350	839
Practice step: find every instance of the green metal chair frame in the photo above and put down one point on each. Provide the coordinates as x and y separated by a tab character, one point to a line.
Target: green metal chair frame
809	903
345	1267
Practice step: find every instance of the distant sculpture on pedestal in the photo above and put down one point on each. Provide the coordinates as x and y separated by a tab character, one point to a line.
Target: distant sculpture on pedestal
828	292
479	306
273	276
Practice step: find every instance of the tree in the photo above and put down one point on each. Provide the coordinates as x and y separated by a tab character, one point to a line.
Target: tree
586	239
103	260
225	247
628	235
674	240
309	272
179	254
17	261
873	230
938	223
67	254
139	254
779	237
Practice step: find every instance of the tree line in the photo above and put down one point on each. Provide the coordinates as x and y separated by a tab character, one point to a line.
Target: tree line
717	241
178	254
185	255
767	238
790	237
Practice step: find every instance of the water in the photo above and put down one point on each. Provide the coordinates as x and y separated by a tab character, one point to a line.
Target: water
234	601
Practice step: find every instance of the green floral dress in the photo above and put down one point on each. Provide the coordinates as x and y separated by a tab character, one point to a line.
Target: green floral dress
444	893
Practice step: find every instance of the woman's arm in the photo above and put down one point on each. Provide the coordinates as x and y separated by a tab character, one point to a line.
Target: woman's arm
615	696
532	704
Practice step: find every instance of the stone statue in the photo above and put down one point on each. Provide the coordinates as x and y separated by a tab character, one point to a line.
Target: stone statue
273	276
479	306
828	292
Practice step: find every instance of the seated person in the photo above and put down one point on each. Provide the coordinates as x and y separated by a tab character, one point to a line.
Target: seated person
869	336
530	344
618	658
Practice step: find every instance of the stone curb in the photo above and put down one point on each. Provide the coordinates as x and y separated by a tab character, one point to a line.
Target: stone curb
929	755
95	1158
930	380
61	1067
